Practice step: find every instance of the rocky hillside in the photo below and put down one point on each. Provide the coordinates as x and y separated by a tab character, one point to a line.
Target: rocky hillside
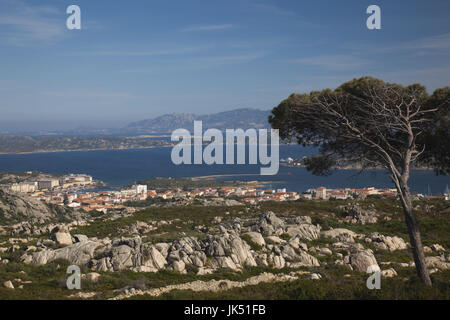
17	177
216	249
233	245
16	207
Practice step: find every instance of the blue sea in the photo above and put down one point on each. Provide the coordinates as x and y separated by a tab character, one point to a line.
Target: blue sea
121	167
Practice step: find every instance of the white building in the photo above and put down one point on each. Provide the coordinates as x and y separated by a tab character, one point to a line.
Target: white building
140	188
74	205
48	184
321	193
25	187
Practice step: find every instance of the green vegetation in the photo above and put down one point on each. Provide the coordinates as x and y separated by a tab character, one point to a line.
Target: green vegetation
48	281
187	183
148	202
434	223
251	243
285	236
17	144
433	216
184	219
333	286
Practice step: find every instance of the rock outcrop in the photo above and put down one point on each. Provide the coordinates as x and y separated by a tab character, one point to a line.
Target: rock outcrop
389	273
130	254
438	262
281	243
223	250
79	253
385	242
304	231
184	251
61	236
269	224
363	261
137	228
213	285
19	206
340	234
356	215
256	237
8	284
228	251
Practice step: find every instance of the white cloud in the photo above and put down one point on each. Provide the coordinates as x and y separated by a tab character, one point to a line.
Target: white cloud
207	27
432	77
22	24
441	41
431	45
333	62
137	53
85	94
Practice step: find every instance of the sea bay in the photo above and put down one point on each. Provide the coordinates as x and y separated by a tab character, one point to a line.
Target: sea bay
122	167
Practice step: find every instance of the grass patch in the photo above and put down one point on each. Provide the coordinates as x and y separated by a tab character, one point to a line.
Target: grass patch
333	286
253	245
189	217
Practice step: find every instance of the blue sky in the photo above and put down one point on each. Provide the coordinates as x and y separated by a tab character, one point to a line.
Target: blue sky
138	59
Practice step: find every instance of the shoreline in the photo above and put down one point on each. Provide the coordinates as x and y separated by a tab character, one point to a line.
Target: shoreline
99	149
256	183
75	150
222	175
355	168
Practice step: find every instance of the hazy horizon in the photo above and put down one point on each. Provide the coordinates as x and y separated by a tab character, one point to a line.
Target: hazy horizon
36	126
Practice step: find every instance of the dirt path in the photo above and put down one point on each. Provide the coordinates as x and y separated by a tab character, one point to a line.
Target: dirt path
214	285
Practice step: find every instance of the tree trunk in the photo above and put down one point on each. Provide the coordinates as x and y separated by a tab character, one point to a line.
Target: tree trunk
414	234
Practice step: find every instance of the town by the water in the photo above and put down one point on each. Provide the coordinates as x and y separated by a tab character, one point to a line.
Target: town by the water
73	190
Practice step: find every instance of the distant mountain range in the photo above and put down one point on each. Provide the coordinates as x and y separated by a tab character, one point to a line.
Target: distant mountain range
234	119
165	124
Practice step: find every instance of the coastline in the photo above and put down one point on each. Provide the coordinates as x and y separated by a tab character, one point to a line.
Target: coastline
75	150
256	183
96	149
222	175
355	167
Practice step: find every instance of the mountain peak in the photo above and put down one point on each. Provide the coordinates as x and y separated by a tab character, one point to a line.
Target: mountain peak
244	118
